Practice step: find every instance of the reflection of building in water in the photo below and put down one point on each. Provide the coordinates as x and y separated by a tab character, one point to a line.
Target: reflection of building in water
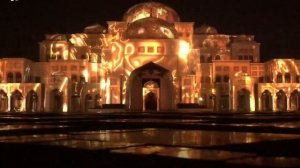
149	51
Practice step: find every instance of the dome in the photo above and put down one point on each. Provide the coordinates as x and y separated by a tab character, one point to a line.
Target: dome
206	29
94	29
151	9
56	37
150	28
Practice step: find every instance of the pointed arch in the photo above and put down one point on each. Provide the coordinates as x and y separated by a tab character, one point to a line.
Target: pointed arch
3	101
295	101
10	77
16	101
18	77
281	101
217	57
266	101
135	90
31	101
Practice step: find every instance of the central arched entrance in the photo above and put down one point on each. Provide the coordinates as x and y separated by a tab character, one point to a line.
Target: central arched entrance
150	88
151	96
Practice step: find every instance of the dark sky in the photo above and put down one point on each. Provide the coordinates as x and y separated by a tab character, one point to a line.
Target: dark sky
275	23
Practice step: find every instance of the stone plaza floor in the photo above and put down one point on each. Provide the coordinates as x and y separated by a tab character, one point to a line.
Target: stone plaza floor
156	139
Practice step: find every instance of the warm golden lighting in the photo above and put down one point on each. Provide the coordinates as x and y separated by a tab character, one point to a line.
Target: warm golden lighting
94	67
143	14
213	91
252	103
85	74
36	86
63	84
107	94
184	50
65	108
78	39
102	84
186	64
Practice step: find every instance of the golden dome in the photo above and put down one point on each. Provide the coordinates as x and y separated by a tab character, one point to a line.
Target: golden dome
150	28
151	9
206	29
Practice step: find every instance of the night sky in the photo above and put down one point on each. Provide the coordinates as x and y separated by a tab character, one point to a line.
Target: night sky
275	23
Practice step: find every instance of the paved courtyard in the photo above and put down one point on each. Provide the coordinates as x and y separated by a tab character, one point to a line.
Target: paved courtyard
157	139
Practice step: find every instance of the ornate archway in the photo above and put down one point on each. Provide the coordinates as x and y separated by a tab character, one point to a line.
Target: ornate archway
266	101
151	96
295	101
16	101
138	83
31	101
3	101
281	101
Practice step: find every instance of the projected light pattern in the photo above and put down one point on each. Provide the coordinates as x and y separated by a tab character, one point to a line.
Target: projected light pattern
120	63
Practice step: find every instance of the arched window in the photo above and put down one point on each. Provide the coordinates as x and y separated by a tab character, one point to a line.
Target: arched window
31	101
281	101
18	77
3	101
217	57
16	101
10	77
287	77
151	101
279	78
266	101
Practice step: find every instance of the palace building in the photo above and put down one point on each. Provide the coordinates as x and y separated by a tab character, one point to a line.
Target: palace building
149	60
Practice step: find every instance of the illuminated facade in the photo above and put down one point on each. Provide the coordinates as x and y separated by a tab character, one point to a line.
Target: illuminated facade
149	61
